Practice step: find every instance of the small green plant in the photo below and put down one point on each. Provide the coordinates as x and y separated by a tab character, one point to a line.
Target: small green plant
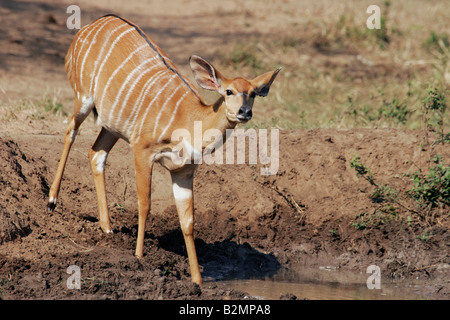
442	138
361	169
382	216
433	188
382	192
361	222
120	207
37	116
351	109
435	106
166	271
425	236
394	110
387	213
50	105
437	42
334	233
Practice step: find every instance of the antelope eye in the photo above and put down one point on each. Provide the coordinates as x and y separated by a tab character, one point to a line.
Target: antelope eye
229	92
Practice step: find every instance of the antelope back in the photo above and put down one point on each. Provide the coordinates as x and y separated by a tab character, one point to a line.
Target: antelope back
135	88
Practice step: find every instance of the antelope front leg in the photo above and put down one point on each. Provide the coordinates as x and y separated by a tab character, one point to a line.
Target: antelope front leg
80	111
97	156
182	183
69	138
143	167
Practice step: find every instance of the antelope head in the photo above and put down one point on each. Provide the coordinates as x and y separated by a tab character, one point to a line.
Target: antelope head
238	93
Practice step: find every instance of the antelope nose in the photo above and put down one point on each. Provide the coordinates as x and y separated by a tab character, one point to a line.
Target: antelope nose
245	113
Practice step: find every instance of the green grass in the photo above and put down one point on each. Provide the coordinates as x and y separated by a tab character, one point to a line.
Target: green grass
34	109
435	41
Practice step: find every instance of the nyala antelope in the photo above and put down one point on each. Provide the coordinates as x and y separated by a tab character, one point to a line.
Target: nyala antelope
138	95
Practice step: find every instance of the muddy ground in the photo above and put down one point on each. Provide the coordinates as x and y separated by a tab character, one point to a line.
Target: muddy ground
246	224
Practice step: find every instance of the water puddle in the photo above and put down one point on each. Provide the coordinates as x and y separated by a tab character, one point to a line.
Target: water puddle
325	284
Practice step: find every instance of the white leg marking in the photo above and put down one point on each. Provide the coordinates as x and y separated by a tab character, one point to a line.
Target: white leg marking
180	193
100	160
87	103
73	134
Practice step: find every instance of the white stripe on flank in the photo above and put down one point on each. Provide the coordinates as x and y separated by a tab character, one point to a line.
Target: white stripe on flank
105	88
141	100
131	90
89	49
173	115
95	74
76	53
162	110
71	56
81	39
151	103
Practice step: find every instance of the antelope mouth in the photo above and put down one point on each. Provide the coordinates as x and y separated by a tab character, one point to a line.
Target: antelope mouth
236	118
242	119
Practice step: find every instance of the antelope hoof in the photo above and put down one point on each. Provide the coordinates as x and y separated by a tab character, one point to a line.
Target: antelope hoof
197	281
106	228
51	205
139	254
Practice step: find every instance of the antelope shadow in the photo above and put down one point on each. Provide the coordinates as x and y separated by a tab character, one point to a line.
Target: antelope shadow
224	260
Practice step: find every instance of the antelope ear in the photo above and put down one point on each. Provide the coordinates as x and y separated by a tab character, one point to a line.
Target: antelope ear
205	74
263	82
